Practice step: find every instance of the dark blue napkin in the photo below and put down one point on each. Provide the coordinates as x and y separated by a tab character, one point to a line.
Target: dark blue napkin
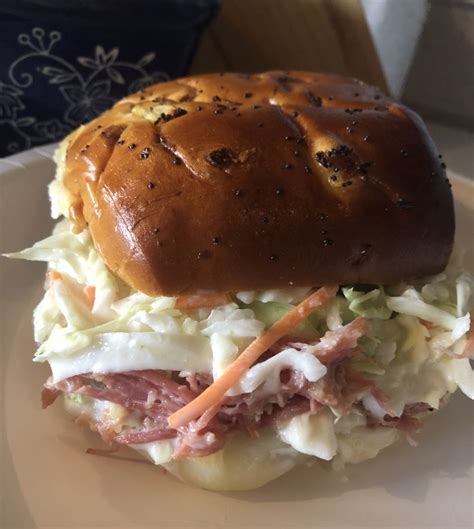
63	62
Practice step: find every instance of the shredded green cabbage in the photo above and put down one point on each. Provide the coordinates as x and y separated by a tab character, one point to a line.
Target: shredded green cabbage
371	304
272	311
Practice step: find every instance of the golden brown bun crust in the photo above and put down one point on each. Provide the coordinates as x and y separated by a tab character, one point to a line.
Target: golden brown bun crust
261	181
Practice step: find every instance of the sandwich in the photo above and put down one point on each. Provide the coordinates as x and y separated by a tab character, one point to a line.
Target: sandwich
252	272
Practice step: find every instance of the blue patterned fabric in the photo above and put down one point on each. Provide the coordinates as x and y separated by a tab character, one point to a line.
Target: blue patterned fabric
62	67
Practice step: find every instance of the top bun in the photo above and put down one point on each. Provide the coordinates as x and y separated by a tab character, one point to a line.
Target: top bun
229	182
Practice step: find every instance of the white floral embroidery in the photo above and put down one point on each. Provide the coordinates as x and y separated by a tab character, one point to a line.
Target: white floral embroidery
84	87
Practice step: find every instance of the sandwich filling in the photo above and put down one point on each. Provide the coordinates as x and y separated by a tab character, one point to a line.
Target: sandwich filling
341	382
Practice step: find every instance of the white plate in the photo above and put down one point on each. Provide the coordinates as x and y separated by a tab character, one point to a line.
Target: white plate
49	481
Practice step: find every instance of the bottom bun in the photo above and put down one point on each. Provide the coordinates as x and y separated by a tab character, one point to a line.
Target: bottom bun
243	464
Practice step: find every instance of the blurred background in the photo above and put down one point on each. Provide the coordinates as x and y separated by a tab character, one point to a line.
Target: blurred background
62	62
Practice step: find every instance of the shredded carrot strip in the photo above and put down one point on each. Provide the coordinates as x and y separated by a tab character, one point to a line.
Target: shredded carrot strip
216	391
89	291
54	276
200	301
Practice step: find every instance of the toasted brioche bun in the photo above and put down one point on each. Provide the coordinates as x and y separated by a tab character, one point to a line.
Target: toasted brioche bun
234	182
